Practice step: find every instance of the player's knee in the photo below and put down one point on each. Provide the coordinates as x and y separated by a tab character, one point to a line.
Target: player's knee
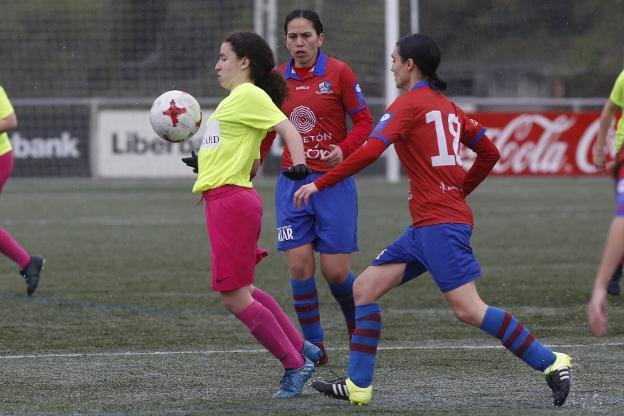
232	304
467	315
229	304
335	276
300	270
363	293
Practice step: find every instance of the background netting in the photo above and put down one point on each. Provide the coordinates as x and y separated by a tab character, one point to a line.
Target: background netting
128	48
65	61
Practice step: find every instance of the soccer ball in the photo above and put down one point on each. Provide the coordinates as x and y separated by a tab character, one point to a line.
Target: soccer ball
175	116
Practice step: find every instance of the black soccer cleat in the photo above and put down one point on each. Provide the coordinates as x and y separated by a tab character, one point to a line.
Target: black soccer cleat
31	273
559	379
344	389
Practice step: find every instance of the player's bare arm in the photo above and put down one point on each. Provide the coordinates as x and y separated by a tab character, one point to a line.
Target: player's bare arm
599	150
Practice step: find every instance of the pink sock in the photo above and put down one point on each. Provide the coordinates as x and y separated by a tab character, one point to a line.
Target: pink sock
287	326
10	248
265	328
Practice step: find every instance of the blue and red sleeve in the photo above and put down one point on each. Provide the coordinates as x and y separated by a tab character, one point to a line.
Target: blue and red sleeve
355	105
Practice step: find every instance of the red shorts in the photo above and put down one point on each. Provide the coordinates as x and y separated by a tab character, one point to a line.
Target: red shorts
233	217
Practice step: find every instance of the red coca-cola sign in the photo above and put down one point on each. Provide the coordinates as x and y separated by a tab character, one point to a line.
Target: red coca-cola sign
542	143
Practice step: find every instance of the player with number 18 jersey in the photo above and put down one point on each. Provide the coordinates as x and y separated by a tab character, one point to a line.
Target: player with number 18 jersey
427	129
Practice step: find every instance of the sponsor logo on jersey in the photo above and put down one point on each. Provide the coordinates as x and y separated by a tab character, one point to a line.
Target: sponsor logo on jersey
385	119
444	187
302	87
358	93
325	88
303	118
284	233
212	135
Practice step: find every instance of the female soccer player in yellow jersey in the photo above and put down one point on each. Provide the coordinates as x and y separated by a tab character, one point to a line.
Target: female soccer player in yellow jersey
609	271
228	153
30	266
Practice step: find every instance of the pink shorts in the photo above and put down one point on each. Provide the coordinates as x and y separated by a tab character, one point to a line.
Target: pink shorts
6	166
233	217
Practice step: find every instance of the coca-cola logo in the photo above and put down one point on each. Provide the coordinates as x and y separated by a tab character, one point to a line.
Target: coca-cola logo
541	143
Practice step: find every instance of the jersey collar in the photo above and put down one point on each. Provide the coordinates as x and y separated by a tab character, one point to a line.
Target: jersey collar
420	85
319	67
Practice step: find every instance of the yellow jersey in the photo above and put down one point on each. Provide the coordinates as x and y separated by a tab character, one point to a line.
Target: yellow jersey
232	137
617	96
6	109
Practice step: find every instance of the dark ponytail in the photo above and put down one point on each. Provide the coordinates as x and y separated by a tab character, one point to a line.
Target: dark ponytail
253	47
425	53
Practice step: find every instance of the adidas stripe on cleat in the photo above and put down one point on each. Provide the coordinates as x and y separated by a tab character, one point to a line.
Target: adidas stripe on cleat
344	389
559	379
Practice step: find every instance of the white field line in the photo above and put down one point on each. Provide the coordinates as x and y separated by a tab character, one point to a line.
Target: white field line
256	351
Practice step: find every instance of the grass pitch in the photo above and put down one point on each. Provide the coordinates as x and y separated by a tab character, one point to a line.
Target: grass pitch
124	322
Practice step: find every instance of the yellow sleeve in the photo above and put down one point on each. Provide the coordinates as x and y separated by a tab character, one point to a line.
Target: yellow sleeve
5	105
617	93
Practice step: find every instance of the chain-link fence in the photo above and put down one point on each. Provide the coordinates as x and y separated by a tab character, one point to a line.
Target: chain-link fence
128	48
64	60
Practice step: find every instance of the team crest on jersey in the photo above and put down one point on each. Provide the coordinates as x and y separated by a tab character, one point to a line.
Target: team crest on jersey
325	88
385	119
358	93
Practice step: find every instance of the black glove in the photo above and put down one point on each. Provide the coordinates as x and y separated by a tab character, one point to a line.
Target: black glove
297	172
191	161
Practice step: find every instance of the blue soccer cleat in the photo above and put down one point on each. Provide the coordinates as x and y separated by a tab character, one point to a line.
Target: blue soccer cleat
294	379
312	352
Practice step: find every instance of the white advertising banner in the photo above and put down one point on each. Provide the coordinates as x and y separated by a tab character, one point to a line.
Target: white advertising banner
127	147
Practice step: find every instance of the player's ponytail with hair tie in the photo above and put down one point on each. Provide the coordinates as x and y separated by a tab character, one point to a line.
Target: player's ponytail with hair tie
437	83
425	53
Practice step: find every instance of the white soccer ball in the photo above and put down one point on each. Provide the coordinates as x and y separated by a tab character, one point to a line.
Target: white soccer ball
175	116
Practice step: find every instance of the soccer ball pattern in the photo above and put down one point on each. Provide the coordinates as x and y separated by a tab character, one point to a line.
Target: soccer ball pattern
175	116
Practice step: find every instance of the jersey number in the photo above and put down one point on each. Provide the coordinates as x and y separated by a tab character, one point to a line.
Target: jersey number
444	158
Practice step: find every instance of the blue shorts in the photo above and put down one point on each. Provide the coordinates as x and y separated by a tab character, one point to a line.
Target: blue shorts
329	221
619	197
443	250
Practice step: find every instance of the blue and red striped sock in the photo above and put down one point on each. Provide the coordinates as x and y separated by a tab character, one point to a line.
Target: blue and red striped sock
363	348
516	338
306	302
343	293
